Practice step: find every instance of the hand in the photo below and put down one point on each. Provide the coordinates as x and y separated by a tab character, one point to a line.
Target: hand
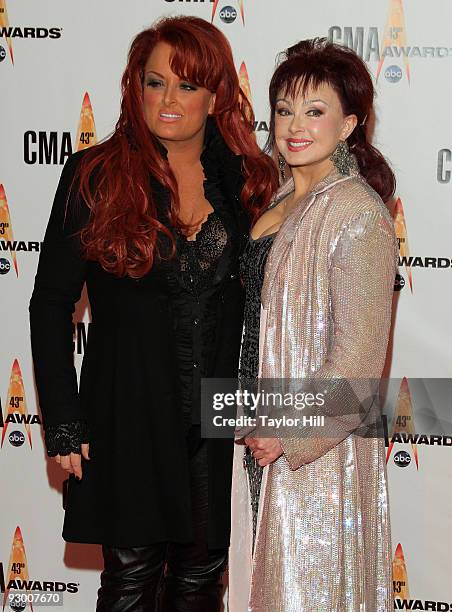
265	450
73	463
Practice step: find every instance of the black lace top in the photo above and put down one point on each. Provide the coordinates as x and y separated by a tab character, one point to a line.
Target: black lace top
194	281
252	270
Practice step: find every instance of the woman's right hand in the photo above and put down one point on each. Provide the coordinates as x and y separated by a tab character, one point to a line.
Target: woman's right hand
72	463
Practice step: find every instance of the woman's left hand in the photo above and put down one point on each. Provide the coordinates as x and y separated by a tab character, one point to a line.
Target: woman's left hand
265	450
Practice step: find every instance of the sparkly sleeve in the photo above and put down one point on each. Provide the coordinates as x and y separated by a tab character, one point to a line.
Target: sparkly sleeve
361	282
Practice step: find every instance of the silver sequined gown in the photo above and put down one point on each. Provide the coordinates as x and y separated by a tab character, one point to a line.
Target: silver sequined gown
322	540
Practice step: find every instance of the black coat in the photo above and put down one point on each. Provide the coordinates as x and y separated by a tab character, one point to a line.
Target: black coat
135	489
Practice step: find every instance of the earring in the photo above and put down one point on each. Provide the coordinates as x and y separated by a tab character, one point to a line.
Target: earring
342	158
282	166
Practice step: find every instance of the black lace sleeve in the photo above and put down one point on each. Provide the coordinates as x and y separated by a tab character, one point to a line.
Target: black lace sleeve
65	438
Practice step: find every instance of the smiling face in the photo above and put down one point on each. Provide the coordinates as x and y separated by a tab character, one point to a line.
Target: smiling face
175	110
309	126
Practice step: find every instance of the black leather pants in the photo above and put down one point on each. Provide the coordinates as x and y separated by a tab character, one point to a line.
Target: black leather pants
168	577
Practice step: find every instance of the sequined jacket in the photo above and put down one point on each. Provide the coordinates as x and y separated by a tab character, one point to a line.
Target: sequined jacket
323	534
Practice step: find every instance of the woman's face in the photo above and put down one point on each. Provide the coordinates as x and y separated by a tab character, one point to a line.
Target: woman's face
175	110
308	127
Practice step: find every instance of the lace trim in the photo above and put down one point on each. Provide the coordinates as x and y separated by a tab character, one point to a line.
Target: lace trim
66	438
198	259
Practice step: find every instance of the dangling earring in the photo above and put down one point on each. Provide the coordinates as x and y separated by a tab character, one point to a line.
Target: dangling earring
342	158
282	166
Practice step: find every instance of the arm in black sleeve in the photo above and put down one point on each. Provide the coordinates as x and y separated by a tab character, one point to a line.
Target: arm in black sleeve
58	285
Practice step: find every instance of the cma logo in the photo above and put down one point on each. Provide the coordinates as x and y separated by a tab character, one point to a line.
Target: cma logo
48	147
14	32
19	581
366	43
444	166
366	47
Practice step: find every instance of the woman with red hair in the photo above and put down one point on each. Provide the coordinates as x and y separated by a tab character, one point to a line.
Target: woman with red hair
310	517
152	220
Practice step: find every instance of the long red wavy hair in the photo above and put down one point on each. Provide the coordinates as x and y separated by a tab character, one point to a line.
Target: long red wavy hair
123	229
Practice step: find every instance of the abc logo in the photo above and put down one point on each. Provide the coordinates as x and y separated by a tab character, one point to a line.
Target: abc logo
16	438
16	604
393	74
399	283
5	266
2	53
228	14
402	458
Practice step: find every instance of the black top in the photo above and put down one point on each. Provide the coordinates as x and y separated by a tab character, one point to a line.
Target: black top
252	269
135	381
194	278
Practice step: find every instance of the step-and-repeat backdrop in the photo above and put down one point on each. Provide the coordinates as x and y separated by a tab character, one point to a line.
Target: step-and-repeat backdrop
60	67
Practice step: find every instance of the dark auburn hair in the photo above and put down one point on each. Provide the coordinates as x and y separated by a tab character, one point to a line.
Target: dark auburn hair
311	63
123	228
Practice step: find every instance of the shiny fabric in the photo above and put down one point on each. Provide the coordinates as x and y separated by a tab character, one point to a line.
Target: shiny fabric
131	578
133	581
180	577
323	533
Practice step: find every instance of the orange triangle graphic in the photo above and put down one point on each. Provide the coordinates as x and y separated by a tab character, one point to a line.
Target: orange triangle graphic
402	237
403	420
18	567
16	402
395	34
6	228
214	10
244	82
86	134
242	10
4	23
400	575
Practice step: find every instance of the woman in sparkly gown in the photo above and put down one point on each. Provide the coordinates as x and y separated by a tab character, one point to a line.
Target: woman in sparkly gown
310	517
